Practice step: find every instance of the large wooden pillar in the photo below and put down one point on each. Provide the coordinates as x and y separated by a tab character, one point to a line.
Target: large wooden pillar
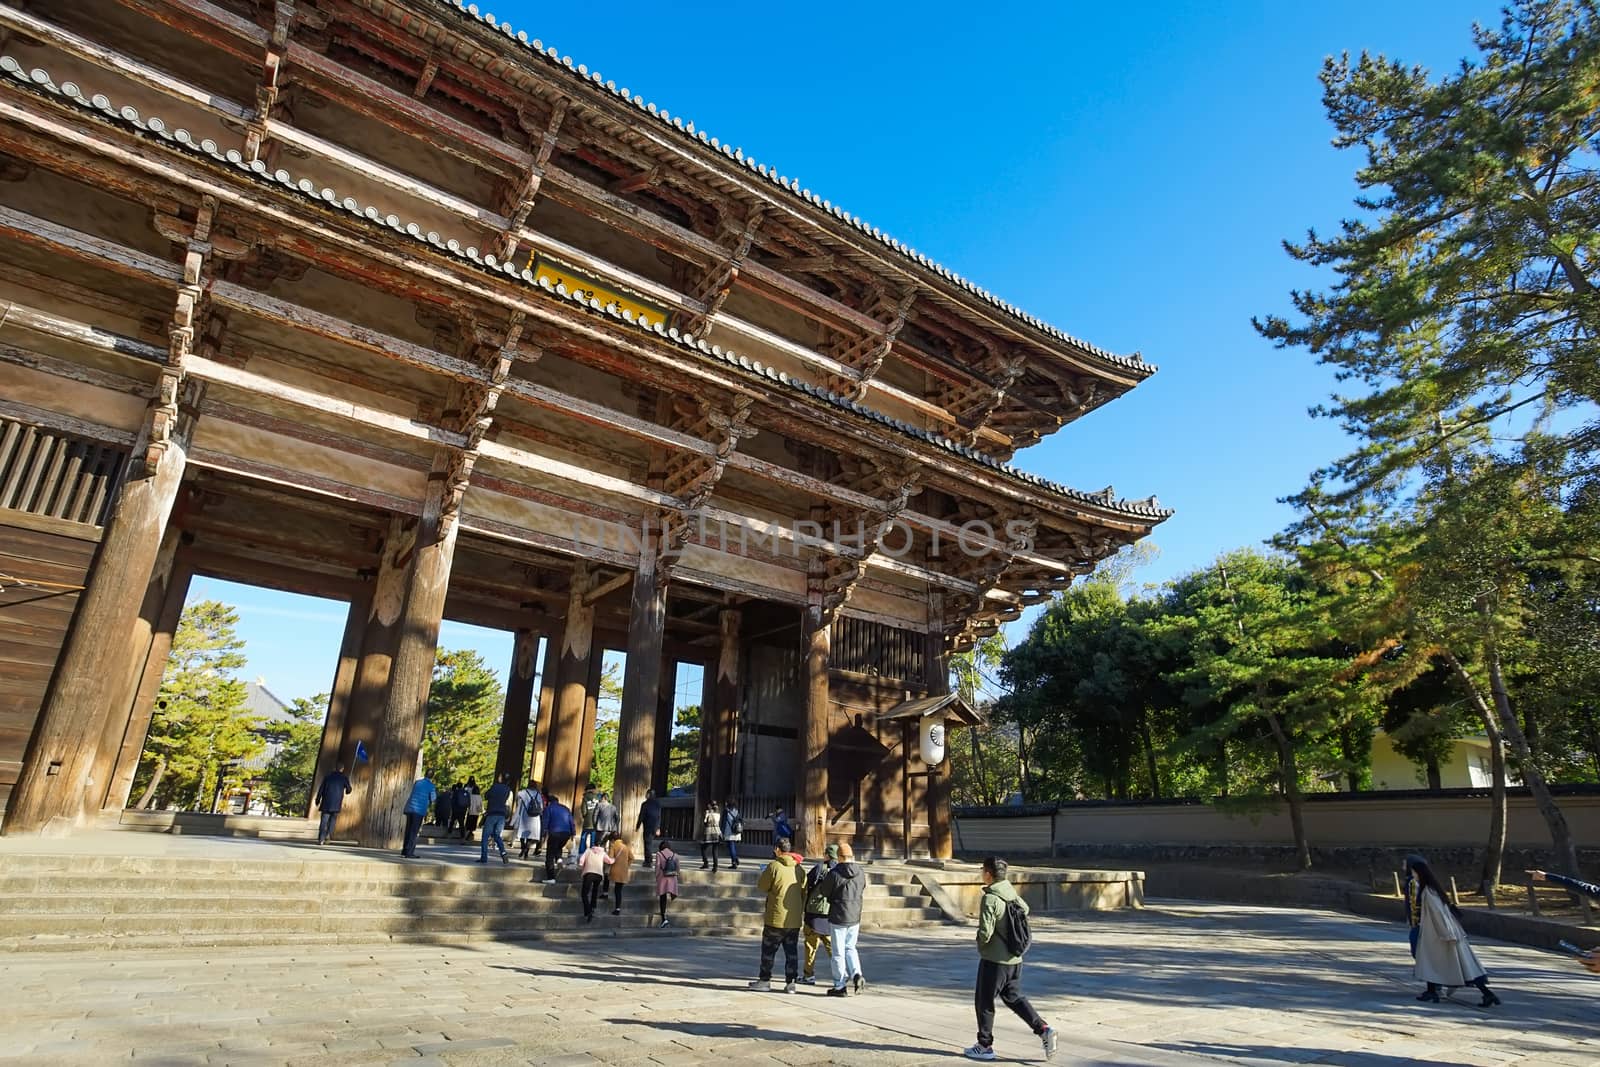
519	706
811	820
90	685
562	740
379	623
666	716
537	754
427	579
332	751
641	690
725	705
163	608
591	719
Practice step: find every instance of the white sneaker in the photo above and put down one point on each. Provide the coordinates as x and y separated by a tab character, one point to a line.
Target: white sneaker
1048	1039
761	985
788	987
979	1052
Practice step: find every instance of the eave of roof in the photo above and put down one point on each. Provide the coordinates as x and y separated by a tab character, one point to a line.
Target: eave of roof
593	81
154	128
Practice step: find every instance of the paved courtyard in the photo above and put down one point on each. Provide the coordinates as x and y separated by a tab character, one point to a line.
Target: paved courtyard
1175	984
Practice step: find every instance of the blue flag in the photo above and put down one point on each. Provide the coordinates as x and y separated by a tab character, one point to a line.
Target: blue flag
361	751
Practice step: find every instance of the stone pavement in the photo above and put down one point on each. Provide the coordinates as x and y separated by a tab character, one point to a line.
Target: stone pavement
1177	984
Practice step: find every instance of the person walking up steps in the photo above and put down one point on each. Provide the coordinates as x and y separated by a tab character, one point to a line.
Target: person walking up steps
710	834
666	876
496	808
845	887
416	809
1444	958
817	929
474	809
784	914
649	822
731	827
330	798
592	866
586	814
530	806
558	833
1002	940
621	868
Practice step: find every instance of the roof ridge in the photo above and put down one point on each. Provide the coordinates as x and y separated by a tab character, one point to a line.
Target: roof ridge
38	81
553	56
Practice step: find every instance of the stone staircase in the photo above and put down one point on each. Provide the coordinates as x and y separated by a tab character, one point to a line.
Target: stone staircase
112	901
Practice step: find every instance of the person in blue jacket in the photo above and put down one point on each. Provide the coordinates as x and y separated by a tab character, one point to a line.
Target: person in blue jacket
557	834
417	805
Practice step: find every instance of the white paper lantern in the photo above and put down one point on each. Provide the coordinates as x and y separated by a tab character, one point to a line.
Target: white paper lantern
932	736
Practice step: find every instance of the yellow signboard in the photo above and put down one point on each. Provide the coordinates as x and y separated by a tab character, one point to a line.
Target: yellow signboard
558	273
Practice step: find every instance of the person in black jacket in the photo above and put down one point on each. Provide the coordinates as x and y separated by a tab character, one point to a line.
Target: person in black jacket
1588	889
818	906
330	798
845	887
649	822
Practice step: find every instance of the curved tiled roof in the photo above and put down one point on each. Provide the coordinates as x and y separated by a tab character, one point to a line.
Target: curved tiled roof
39	81
554	58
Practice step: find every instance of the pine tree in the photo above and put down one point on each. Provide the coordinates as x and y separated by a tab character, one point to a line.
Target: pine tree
199	729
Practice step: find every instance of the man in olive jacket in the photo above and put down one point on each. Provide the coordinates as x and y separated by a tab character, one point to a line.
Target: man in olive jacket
999	968
786	907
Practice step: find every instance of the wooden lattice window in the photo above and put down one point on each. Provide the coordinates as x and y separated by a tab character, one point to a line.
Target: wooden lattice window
874	648
43	472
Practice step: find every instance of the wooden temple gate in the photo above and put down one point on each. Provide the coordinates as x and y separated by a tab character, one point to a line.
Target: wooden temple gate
379	300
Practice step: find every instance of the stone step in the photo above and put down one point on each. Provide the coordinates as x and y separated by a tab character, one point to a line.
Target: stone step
510	883
23	931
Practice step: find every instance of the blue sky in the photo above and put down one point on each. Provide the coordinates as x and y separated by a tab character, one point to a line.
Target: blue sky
1123	171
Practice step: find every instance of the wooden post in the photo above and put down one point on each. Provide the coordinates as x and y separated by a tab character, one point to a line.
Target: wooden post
380	635
811	820
726	705
344	682
91	676
174	589
1533	901
941	845
571	689
547	703
666	718
1401	893
590	720
394	758
641	690
519	706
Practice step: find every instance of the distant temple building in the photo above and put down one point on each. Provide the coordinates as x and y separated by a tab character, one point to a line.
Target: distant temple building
382	300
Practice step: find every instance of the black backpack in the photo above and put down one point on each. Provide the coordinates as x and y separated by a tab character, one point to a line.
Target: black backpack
669	866
736	827
1012	928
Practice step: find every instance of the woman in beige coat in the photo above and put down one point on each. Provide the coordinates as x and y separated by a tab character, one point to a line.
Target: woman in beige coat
1439	944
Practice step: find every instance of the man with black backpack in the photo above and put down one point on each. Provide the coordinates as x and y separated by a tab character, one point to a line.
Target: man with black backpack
1003	939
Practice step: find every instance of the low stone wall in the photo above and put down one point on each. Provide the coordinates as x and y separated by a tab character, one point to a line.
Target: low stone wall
1045	889
1384	823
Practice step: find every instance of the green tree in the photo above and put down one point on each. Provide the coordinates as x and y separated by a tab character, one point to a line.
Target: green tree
289	772
984	764
683	753
1465	306
200	728
1257	642
462	731
603	766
